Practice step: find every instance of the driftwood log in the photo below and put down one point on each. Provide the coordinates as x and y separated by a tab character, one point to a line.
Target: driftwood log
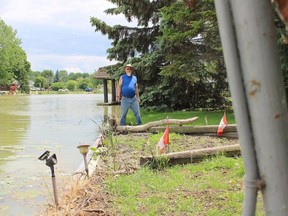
146	127
207	130
194	156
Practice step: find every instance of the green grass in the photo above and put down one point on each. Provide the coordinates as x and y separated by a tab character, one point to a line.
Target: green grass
146	143
213	187
213	117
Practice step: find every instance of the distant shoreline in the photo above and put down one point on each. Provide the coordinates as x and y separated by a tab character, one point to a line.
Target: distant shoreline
3	93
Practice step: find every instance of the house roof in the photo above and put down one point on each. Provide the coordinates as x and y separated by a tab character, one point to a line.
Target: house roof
102	74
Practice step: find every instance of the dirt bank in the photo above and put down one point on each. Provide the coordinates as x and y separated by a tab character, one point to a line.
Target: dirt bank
92	197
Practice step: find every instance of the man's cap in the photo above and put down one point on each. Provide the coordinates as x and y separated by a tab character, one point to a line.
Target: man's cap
129	65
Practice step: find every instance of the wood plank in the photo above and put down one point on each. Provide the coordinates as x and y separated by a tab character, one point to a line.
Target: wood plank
212	129
194	156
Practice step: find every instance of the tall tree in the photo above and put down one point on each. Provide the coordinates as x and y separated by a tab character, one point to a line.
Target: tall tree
190	43
63	76
282	34
49	76
56	77
14	64
175	70
41	82
131	41
34	74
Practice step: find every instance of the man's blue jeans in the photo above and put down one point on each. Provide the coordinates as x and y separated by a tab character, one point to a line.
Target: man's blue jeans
132	103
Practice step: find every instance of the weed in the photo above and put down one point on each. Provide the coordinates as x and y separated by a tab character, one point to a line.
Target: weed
158	162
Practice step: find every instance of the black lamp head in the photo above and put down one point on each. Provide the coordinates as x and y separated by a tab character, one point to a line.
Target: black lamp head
51	161
44	156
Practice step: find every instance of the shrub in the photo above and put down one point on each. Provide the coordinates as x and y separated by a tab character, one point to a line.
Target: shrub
58	85
71	85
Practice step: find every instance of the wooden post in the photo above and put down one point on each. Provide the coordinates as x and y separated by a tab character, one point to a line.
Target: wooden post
105	91
113	91
105	114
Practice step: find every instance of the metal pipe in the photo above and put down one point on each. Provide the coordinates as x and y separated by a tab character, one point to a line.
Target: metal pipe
237	89
55	193
86	164
260	63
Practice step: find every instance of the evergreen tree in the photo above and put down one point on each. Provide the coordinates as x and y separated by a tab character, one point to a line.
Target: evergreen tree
14	64
56	77
174	69
132	41
191	44
282	35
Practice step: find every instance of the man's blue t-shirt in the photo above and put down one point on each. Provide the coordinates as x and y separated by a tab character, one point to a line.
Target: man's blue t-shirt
128	85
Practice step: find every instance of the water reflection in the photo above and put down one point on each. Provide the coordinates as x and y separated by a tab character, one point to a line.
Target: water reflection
13	125
111	111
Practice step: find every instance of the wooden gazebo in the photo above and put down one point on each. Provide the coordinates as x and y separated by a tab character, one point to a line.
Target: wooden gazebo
103	75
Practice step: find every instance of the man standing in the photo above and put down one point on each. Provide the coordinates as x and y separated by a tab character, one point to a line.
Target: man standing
128	94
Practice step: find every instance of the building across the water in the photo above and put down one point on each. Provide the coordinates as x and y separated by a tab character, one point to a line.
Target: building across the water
11	89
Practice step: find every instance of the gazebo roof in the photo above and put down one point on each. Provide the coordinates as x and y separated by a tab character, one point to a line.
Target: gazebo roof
102	74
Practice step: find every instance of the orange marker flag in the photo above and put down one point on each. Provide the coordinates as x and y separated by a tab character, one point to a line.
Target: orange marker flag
164	141
222	125
282	9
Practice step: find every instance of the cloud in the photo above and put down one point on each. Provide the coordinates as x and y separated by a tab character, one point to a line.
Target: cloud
73	70
73	14
72	63
62	41
57	34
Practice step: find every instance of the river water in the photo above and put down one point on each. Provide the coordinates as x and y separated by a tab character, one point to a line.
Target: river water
30	125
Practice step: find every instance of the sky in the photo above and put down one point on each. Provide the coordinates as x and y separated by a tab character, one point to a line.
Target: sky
57	34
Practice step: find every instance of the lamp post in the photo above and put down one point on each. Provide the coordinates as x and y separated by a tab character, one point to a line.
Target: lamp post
84	150
50	162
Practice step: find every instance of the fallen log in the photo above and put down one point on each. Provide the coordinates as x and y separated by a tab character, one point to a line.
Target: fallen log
203	130
197	155
145	127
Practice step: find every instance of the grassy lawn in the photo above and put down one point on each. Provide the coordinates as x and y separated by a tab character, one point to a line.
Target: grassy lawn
213	187
213	117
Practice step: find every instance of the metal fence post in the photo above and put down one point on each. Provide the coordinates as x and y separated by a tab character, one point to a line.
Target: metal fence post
237	89
267	106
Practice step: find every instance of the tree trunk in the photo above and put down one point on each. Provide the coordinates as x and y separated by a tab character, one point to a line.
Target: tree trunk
193	156
204	130
145	127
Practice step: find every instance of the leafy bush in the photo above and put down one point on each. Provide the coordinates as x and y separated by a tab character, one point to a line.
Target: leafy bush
58	85
71	85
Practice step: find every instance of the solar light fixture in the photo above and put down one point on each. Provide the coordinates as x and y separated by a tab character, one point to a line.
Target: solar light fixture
50	162
84	148
44	156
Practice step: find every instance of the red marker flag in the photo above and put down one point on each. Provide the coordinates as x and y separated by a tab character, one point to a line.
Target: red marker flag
222	125
282	9
164	141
